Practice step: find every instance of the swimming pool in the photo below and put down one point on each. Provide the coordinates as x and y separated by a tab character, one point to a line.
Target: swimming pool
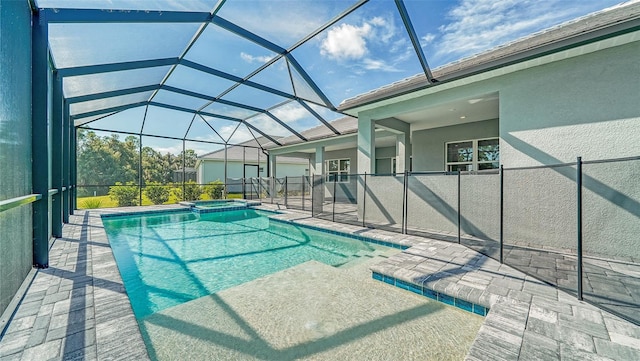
220	204
167	259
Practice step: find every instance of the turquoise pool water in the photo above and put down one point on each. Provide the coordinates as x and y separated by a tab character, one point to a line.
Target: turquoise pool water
168	259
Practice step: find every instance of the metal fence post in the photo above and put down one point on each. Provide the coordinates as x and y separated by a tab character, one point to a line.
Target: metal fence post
333	213
313	184
404	197
579	222
364	200
459	218
286	192
302	179
501	213
140	174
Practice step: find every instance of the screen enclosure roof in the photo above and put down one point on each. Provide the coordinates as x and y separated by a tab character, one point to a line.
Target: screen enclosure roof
225	72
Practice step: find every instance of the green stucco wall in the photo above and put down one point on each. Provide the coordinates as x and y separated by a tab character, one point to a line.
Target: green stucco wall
15	145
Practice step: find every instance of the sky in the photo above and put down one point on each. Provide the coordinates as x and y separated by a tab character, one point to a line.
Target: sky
366	50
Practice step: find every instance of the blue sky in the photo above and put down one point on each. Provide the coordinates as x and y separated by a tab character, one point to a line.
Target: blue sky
364	51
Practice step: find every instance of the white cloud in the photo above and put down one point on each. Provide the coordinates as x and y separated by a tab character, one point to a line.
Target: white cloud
283	22
346	41
378	21
255	59
350	42
376	44
290	113
173	150
383	29
268	126
372	64
428	39
478	25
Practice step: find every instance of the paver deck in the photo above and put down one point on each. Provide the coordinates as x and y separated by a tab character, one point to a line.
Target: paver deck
77	309
613	284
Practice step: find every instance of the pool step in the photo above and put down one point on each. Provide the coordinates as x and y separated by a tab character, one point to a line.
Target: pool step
429	293
365	261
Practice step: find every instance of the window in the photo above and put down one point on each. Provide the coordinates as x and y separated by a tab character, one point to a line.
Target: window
338	169
480	154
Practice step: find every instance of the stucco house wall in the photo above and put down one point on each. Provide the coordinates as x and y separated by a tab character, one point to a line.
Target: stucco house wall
211	170
429	144
582	103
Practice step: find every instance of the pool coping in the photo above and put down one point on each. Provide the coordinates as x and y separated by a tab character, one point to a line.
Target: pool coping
527	320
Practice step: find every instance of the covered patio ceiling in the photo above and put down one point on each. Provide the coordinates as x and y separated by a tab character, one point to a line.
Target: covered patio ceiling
224	72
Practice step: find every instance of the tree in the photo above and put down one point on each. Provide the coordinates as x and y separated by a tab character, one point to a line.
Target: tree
105	160
190	158
155	166
102	161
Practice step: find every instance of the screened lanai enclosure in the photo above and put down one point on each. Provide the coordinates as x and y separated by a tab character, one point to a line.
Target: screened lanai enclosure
127	102
149	86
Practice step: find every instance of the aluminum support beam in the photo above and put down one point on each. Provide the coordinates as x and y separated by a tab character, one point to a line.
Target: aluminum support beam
66	162
106	68
109	94
320	118
414	40
310	81
104	111
57	145
40	74
227	25
124	16
285	125
74	169
234	78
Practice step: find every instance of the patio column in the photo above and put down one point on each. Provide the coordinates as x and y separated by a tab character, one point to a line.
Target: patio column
402	130
402	153
366	145
366	155
318	167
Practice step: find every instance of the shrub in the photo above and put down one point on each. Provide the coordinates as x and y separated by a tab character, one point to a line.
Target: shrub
214	189
124	195
157	193
92	203
192	191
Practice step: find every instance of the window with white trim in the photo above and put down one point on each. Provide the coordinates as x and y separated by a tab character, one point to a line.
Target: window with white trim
338	169
478	154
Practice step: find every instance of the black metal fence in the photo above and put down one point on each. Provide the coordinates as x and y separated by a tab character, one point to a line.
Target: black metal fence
572	225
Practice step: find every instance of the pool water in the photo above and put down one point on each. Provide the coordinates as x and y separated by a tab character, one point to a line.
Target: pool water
168	259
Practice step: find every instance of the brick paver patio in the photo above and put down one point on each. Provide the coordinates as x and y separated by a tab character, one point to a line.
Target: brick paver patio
77	309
